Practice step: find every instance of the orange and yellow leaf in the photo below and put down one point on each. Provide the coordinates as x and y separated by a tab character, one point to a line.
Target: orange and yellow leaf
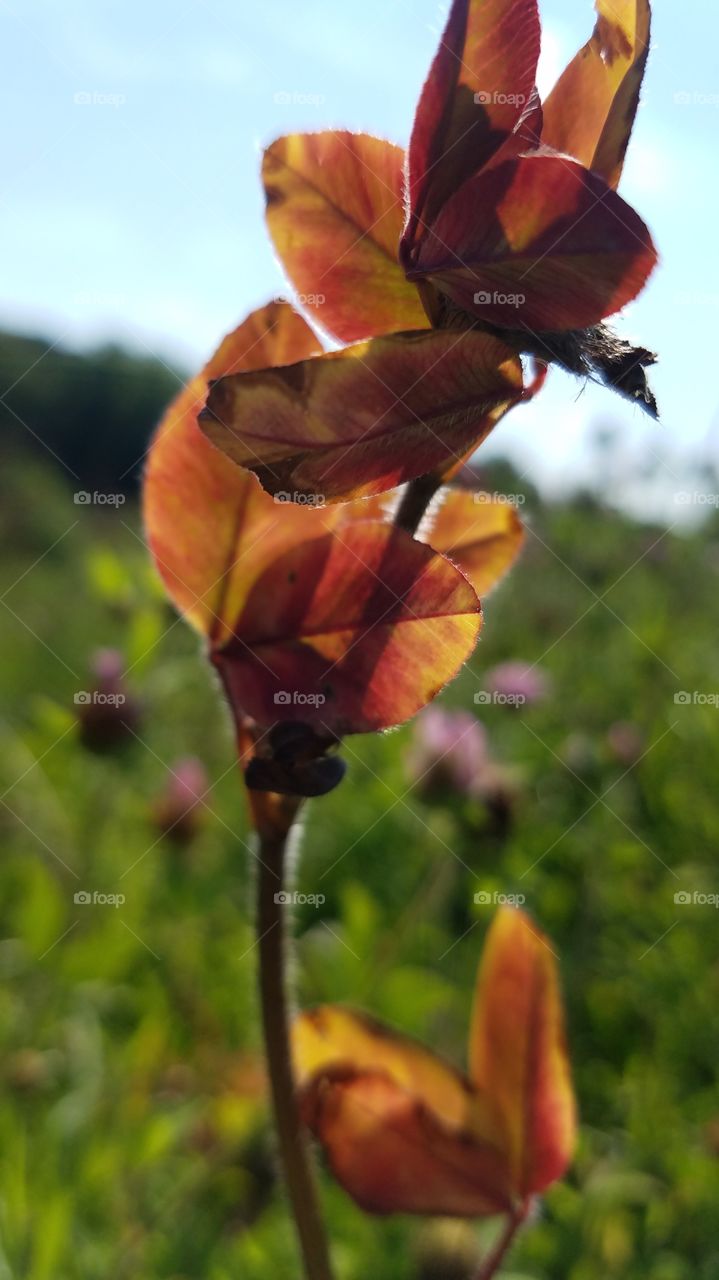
335	209
480	533
590	112
518	1054
365	419
201	512
477	90
351	632
403	1131
561	250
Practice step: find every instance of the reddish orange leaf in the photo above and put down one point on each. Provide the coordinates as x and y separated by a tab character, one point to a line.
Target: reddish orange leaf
353	628
480	533
403	1131
335	209
561	250
350	632
518	1054
196	502
478	88
367	418
590	112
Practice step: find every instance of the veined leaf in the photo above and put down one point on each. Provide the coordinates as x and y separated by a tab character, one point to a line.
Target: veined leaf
365	419
202	514
559	249
479	86
335	209
351	632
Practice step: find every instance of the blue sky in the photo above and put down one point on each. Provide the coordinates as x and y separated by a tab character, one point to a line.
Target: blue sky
131	207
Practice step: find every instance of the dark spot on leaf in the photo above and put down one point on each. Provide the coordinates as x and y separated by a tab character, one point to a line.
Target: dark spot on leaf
293	376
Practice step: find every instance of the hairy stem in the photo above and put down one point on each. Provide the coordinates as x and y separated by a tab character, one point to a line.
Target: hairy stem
294	1150
273	818
415	500
494	1260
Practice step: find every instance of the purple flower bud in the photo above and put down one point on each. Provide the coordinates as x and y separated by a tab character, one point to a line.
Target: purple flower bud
518	681
449	752
625	741
177	811
107	713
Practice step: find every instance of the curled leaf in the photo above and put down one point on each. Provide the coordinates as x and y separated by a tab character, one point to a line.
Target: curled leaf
403	1131
479	87
590	112
518	1053
345	629
352	631
367	418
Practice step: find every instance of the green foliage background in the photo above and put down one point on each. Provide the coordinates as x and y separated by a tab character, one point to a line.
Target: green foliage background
133	1127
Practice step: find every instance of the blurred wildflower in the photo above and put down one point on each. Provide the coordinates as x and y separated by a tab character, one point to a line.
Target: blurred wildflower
519	680
449	752
626	742
450	756
107	713
177	810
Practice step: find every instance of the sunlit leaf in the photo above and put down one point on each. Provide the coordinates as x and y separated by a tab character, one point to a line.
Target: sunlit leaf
403	1131
518	1054
590	112
196	503
480	532
367	418
478	88
350	628
335	212
351	632
560	250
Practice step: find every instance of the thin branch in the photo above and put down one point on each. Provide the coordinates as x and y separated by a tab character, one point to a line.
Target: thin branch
299	1176
415	500
494	1260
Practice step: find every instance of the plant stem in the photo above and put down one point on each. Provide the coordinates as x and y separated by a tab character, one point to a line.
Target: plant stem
415	500
294	1150
494	1260
273	818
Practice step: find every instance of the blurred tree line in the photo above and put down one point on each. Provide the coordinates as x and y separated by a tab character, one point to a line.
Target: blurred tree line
94	411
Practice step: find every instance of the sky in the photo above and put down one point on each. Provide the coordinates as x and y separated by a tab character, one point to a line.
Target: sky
131	208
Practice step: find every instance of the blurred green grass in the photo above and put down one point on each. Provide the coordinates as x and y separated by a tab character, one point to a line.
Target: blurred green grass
134	1133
